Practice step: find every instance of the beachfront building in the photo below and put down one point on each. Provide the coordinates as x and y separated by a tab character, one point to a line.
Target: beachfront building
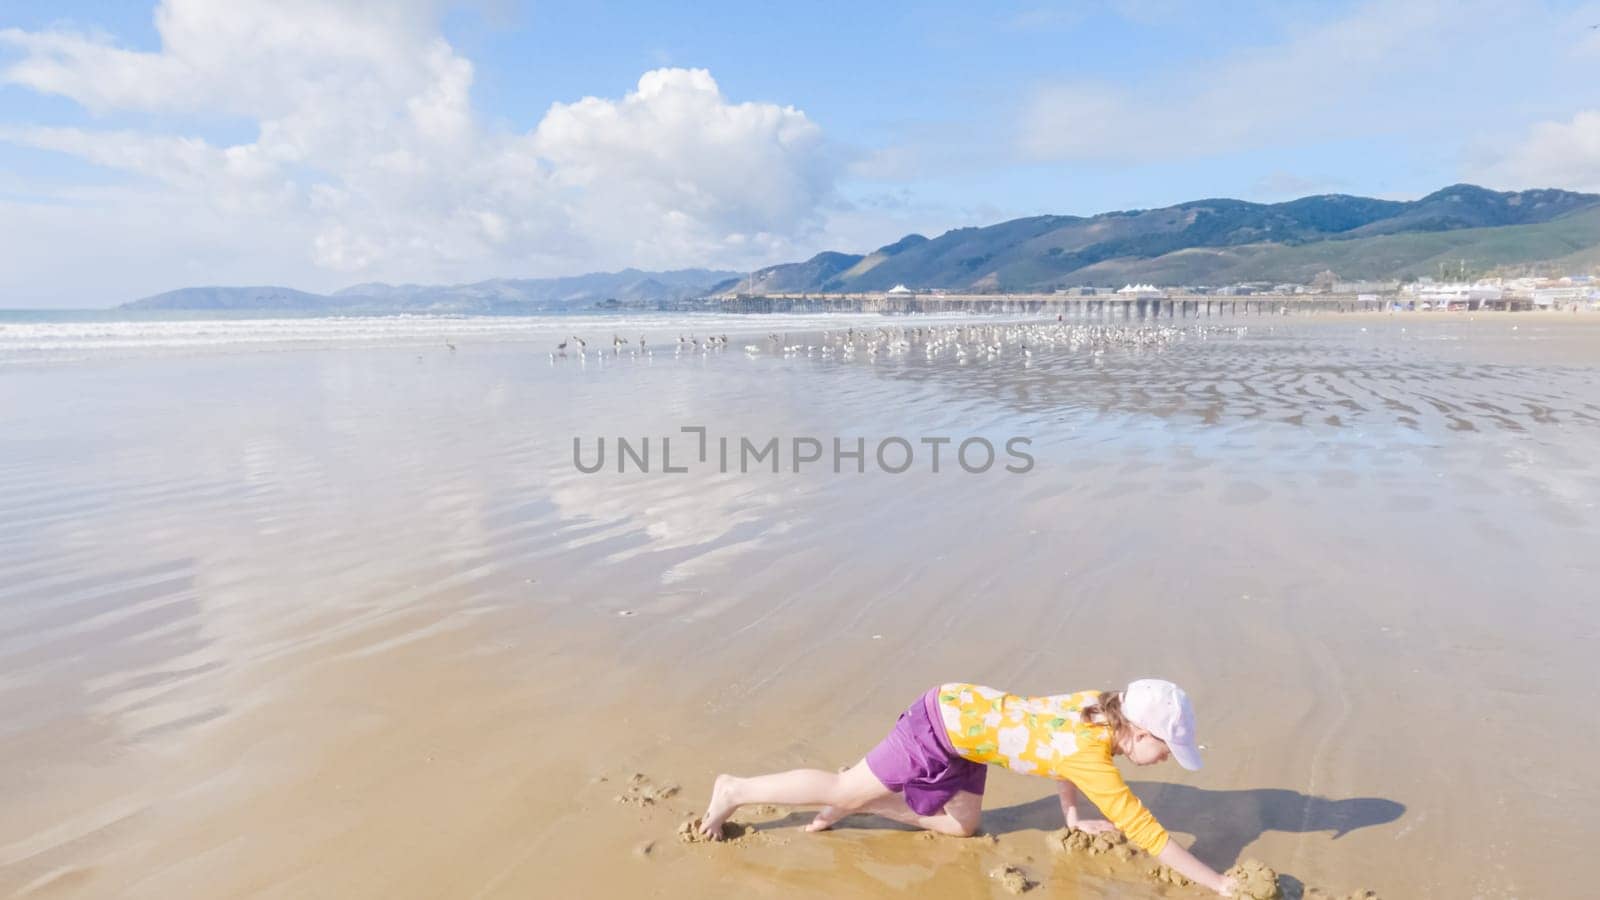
1140	292
900	292
1560	297
1454	295
1366	287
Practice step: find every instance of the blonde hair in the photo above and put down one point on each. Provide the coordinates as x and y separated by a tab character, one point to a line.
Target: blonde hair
1107	710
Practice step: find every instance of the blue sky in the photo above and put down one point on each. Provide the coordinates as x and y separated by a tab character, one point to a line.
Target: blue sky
145	146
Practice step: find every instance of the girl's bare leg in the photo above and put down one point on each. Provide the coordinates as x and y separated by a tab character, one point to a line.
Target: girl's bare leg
959	818
851	789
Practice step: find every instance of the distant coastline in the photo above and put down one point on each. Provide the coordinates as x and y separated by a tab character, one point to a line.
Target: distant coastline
627	289
1461	233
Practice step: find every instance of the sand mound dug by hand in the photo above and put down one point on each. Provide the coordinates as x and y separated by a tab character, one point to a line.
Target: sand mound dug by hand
1254	881
1096	844
1257	881
689	832
1013	879
1168	876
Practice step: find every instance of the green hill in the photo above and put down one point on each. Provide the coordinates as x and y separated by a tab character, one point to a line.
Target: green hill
1221	241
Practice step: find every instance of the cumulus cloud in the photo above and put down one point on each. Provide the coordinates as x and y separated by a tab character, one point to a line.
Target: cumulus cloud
368	150
736	178
238	178
1564	154
258	58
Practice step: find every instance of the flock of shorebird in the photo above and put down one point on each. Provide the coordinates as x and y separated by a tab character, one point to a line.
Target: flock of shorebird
964	343
621	345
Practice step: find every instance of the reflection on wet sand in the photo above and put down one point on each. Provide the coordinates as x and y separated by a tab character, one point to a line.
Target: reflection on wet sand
346	621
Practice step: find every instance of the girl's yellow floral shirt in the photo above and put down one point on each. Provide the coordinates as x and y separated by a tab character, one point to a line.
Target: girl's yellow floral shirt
1048	736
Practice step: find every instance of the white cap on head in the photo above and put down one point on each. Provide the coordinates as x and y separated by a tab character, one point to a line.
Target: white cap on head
1162	708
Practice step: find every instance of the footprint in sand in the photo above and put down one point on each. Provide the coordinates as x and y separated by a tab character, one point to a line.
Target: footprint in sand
641	791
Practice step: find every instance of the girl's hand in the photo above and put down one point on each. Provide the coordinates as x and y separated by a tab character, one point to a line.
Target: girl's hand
1095	826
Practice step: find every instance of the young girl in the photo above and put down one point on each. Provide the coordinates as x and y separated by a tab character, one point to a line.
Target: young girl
930	770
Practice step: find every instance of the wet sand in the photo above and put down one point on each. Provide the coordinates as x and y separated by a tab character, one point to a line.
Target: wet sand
347	622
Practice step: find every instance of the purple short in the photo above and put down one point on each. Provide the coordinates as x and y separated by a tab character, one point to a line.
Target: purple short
917	758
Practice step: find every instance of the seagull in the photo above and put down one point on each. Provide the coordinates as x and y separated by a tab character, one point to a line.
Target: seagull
451	346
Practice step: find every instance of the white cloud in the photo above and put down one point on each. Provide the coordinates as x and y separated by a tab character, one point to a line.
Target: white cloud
369	154
253	57
736	180
1552	154
236	178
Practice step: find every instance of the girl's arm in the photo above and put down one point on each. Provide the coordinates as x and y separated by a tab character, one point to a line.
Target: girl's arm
1183	862
1069	811
1069	802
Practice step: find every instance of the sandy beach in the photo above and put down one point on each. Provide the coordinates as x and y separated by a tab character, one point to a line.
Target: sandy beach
342	618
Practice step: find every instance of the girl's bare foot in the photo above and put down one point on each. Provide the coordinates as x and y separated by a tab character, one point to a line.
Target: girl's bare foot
826	818
720	808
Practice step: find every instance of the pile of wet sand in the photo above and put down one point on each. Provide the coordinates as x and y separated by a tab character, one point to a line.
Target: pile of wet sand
689	832
1013	879
1254	879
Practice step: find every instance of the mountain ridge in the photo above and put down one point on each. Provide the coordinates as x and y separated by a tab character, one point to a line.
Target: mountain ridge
1210	241
628	287
1204	241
